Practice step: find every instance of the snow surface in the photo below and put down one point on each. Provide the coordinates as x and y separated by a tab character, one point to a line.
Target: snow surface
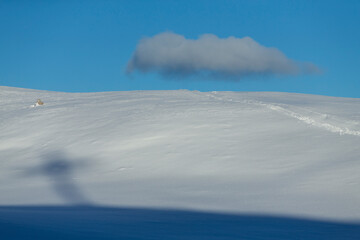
264	153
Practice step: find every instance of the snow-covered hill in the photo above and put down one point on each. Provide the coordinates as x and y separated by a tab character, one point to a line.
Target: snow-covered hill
264	153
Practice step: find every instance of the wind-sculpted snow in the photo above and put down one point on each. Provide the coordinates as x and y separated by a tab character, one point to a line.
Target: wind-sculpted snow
260	153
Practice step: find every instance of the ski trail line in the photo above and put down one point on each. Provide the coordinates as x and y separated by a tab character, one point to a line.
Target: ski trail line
301	117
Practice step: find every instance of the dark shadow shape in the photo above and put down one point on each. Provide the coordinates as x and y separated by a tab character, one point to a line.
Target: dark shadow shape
68	223
59	171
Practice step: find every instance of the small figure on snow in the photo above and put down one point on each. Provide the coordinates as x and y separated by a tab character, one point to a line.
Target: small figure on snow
38	103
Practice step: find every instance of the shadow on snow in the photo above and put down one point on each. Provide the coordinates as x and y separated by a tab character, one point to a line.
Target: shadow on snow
59	171
90	222
83	220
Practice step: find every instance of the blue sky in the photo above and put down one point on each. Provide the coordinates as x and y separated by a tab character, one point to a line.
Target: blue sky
85	46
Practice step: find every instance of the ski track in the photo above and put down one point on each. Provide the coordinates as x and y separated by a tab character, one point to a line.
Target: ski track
316	120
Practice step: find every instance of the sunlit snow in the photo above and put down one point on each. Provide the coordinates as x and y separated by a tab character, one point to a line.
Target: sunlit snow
238	152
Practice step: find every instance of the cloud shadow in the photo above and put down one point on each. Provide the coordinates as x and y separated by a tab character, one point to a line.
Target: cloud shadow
58	169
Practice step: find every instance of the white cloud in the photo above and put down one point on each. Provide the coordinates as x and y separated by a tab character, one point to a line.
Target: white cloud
172	54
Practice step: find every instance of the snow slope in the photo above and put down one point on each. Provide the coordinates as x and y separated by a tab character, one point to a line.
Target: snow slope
264	153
